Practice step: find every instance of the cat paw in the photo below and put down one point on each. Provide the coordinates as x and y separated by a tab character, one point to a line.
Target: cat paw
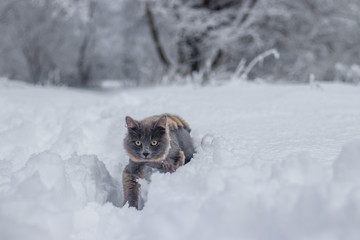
181	161
168	167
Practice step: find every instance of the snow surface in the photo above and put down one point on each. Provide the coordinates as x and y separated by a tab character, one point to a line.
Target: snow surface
273	162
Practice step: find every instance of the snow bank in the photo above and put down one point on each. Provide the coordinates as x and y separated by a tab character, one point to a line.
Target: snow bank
7	83
347	165
77	180
91	182
41	197
272	162
211	198
295	198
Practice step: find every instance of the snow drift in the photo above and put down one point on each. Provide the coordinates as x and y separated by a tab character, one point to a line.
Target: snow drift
272	162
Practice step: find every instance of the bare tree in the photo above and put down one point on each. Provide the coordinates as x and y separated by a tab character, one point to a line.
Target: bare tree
155	37
84	66
75	42
31	31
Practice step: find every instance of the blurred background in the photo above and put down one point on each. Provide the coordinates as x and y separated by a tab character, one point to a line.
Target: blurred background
89	43
278	160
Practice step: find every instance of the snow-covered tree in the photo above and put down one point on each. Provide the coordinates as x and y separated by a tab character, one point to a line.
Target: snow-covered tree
77	42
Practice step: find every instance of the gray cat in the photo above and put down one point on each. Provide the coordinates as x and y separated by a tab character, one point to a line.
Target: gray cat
158	142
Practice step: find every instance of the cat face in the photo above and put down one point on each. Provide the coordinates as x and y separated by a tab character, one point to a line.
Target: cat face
147	140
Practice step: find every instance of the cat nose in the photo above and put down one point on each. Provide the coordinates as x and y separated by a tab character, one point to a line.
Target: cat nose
146	154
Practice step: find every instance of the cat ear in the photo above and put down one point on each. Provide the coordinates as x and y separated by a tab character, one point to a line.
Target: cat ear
162	122
131	123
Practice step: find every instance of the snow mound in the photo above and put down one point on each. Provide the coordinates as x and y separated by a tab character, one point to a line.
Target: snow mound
90	180
347	165
81	179
299	169
42	196
48	167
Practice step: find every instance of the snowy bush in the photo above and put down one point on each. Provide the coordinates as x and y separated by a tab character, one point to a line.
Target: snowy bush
77	42
350	74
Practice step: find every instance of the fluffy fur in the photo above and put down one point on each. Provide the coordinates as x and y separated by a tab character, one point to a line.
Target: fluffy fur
174	148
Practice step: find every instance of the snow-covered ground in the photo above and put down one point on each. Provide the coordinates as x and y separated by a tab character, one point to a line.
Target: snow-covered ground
273	162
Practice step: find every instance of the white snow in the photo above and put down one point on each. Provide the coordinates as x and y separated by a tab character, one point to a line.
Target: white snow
272	162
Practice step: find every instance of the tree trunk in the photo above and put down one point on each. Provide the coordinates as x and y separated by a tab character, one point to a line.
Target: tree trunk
206	3
32	57
155	37
83	66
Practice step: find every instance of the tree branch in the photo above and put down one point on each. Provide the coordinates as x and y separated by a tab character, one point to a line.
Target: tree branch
247	13
155	36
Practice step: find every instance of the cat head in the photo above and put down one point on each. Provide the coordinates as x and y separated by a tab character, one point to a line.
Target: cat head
147	140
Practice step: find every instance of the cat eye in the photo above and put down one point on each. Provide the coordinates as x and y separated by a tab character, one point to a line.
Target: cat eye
138	143
154	143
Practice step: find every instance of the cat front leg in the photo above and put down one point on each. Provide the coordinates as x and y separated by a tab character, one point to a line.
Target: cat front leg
131	187
170	164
